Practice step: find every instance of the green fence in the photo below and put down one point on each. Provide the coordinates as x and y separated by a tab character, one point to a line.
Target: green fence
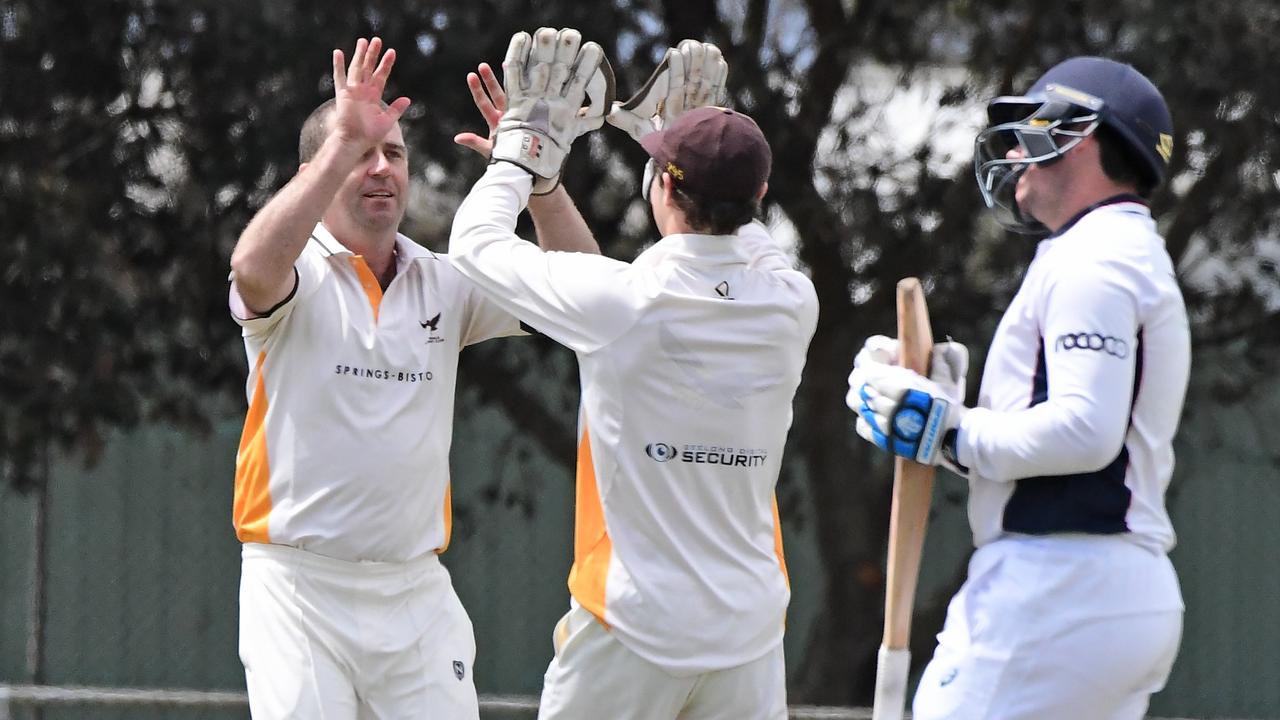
143	567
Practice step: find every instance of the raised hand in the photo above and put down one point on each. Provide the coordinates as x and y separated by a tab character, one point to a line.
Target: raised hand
361	118
691	75
547	77
491	101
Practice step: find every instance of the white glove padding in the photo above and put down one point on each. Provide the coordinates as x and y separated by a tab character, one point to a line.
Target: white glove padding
880	349
547	76
691	75
903	412
877	350
948	365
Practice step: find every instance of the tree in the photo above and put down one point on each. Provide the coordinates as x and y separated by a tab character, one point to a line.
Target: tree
140	136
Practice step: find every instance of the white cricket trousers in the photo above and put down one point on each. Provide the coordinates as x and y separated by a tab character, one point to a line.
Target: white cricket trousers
1074	628
593	676
327	639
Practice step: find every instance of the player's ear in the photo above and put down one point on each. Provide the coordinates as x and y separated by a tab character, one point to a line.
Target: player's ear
763	190
668	189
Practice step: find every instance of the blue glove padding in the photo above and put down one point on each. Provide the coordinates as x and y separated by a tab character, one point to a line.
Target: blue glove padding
904	413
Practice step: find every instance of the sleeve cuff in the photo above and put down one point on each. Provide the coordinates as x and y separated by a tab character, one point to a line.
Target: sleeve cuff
509	173
254	322
969	429
949	453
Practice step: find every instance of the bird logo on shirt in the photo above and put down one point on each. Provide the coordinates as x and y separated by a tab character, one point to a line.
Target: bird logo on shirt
431	326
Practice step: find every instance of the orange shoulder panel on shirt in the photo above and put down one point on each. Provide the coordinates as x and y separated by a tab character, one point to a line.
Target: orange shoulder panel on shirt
592	547
253	470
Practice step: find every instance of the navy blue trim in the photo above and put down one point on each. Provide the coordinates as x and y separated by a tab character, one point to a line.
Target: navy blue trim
1093	502
296	282
322	245
1137	375
1113	200
529	328
1040	382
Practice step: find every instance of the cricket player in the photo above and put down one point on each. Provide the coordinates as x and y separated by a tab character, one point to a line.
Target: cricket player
689	360
342	495
1071	609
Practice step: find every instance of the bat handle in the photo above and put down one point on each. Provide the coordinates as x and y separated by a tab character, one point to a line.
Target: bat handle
892	665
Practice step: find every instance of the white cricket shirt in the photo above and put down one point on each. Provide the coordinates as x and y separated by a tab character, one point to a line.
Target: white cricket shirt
345	449
1083	388
689	359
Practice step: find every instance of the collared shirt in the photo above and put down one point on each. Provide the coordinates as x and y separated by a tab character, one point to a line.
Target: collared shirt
689	359
1083	388
345	449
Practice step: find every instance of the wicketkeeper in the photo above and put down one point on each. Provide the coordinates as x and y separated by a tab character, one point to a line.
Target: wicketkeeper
689	358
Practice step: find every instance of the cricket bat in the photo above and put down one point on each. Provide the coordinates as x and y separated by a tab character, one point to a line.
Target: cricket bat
908	517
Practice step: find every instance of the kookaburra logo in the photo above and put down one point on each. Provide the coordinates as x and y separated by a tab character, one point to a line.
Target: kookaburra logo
430	324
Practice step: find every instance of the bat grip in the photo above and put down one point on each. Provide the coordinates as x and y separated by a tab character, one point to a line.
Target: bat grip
892	666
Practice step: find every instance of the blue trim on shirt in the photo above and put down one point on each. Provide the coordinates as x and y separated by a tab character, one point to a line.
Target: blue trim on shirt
1094	502
1113	200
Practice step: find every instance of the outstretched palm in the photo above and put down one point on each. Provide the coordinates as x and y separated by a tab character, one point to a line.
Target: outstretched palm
360	116
491	101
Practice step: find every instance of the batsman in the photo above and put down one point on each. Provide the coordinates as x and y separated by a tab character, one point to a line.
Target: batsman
1071	608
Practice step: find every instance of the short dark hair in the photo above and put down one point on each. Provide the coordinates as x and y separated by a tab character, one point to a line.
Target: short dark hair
1122	163
314	130
715	217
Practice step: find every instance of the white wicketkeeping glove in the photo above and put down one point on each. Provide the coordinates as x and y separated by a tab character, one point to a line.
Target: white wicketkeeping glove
691	75
547	77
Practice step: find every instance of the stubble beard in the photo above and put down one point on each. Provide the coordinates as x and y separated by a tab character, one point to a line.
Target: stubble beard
376	221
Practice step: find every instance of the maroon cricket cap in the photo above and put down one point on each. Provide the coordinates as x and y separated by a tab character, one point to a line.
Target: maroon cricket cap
713	153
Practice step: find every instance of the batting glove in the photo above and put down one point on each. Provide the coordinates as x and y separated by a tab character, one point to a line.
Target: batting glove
948	365
547	77
691	75
904	413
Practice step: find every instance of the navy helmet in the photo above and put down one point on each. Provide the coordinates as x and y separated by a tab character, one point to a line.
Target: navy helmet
1062	108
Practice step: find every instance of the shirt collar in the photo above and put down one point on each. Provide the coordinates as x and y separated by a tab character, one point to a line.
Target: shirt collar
406	250
708	249
1130	203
